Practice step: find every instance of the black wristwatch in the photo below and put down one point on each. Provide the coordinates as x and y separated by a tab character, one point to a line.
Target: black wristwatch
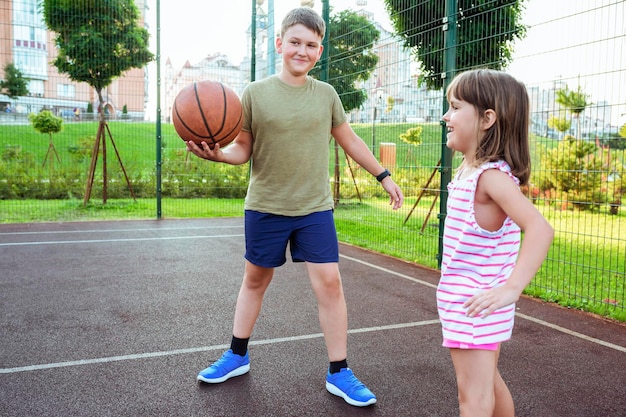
383	175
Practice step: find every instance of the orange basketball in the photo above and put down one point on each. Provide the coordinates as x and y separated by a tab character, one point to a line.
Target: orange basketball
207	111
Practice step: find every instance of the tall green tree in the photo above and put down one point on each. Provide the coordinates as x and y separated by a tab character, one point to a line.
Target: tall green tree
486	30
14	85
351	56
97	40
574	101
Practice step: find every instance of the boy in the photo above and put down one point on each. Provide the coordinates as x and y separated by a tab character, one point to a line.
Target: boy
287	121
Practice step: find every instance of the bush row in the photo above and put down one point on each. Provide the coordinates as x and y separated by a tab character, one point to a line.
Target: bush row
182	176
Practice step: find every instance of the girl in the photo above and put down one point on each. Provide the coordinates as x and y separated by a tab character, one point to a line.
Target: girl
484	269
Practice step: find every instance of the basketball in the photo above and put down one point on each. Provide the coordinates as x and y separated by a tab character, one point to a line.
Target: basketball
207	111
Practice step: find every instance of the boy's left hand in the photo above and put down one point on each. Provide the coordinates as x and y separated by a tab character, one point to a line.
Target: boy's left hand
395	193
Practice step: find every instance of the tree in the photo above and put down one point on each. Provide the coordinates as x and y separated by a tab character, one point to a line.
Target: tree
413	137
561	124
46	122
351	40
391	102
14	84
574	101
97	41
485	33
574	172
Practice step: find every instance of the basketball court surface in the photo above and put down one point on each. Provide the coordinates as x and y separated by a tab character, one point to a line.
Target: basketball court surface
117	318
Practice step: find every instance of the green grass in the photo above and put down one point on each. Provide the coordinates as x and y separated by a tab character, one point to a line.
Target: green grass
27	211
136	142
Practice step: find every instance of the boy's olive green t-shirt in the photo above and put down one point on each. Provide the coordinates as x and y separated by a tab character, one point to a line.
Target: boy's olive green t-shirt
290	128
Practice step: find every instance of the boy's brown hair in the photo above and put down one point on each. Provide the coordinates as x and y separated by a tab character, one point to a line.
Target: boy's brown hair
304	16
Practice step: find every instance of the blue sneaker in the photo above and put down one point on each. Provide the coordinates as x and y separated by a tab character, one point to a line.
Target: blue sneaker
228	366
344	384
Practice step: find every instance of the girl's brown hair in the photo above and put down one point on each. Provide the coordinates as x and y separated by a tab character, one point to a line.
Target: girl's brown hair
507	138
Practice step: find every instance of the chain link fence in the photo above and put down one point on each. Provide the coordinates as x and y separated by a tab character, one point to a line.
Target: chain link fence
113	159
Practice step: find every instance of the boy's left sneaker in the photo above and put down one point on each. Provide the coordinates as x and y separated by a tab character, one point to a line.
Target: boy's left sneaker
347	386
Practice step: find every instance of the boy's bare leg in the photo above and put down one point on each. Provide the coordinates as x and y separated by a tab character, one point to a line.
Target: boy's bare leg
333	315
256	279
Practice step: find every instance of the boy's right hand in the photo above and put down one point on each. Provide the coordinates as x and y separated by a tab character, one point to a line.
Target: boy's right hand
205	152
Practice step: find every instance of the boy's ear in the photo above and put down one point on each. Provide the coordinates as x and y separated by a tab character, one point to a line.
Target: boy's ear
278	44
489	119
319	53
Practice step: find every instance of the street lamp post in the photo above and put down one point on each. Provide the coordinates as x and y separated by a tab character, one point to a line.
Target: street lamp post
374	129
378	98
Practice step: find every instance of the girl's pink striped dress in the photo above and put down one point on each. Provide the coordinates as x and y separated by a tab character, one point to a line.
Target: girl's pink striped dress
474	260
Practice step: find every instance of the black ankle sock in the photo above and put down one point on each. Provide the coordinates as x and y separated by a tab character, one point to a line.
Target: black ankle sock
338	366
239	346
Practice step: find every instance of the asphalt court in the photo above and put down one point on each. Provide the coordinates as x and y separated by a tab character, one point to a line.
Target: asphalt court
117	318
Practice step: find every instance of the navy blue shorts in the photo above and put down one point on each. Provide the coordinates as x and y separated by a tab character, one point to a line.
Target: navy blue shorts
311	238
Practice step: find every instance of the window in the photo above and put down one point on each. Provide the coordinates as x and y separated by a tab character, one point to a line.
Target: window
35	88
66	90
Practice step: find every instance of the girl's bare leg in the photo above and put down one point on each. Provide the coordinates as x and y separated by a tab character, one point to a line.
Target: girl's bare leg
482	392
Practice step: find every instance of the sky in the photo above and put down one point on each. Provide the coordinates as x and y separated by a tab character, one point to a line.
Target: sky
191	30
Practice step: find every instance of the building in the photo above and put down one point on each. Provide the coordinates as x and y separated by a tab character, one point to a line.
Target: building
26	42
216	67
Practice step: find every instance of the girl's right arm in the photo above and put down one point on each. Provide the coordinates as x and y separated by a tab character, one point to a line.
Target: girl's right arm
236	153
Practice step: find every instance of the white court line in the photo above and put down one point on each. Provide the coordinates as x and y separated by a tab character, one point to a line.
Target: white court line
149	355
390	272
139	239
524	316
48	232
572	333
287	339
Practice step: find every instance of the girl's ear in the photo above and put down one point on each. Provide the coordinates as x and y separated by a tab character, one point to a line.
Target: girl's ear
489	119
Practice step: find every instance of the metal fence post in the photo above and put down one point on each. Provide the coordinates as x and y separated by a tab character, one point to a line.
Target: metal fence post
449	70
159	161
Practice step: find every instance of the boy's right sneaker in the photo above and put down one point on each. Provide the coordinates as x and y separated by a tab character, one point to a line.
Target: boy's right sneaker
228	366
